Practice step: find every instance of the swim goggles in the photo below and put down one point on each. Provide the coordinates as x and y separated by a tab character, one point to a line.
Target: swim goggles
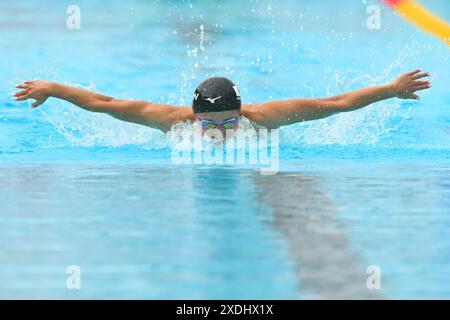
227	124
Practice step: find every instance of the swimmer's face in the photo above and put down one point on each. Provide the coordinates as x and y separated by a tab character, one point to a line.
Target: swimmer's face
222	121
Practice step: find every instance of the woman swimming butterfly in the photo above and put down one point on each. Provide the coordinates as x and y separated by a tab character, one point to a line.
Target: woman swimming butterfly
217	103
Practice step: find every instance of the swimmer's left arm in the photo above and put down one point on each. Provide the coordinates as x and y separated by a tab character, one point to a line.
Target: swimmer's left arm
274	114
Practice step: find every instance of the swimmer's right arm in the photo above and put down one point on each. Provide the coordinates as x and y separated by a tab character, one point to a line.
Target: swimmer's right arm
158	116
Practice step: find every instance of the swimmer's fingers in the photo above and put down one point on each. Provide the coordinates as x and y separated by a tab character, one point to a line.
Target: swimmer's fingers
38	102
23	95
411	73
22	98
420	76
422	87
412	95
420	83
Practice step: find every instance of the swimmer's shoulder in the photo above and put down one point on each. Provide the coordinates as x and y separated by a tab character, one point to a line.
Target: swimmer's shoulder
250	117
251	112
183	114
163	116
180	116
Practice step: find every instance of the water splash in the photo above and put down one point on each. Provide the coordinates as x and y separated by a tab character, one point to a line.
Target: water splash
181	135
85	129
359	127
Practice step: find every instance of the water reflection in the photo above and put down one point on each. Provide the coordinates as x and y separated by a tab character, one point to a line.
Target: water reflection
173	232
318	242
295	206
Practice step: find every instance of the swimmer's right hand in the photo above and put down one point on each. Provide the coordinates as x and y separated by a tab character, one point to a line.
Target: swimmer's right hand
39	90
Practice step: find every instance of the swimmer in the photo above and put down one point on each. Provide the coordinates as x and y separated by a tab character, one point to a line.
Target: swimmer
217	103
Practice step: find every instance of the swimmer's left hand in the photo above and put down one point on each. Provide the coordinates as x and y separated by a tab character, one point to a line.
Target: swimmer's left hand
406	85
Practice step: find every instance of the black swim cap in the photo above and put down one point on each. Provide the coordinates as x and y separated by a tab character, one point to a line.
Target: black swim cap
216	94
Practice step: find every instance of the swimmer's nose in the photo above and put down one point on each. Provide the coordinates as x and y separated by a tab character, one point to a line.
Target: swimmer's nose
223	132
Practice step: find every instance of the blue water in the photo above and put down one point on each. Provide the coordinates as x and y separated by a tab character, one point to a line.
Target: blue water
371	187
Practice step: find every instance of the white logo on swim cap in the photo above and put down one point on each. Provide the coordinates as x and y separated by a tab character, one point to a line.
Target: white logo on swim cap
212	100
236	89
196	95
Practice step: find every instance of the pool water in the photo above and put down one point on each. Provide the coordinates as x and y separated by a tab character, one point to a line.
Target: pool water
356	190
